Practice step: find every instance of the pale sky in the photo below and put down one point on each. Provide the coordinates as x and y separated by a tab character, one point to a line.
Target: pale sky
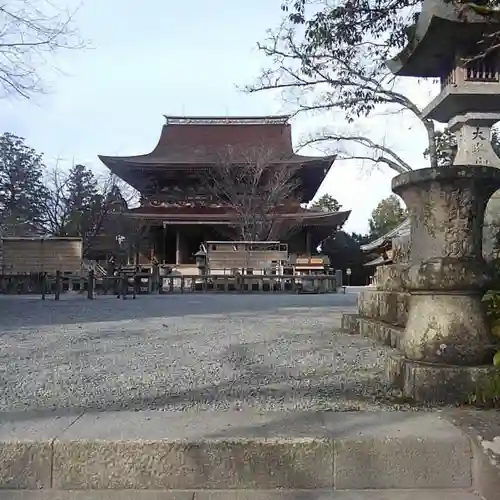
169	57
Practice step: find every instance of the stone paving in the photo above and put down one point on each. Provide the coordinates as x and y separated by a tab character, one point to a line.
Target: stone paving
231	351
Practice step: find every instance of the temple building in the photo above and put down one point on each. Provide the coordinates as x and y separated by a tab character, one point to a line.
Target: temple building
381	250
179	209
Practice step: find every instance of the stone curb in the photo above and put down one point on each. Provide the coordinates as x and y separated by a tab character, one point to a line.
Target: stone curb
234	450
240	495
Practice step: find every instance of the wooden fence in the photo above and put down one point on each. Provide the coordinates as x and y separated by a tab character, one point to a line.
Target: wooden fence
133	284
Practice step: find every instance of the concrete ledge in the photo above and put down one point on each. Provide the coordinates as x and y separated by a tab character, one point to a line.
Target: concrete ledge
237	450
381	332
432	383
240	495
388	306
350	323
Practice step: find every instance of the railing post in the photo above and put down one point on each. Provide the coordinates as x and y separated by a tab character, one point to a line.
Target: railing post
124	285
90	285
155	279
44	285
57	291
136	285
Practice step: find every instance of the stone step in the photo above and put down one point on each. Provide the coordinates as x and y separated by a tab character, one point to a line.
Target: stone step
234	450
241	495
350	323
381	332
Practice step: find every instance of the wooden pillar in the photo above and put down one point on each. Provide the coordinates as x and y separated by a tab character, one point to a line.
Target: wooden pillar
308	242
164	245
178	247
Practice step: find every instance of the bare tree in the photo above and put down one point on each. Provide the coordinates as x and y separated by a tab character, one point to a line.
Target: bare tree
55	210
30	32
256	186
102	216
328	60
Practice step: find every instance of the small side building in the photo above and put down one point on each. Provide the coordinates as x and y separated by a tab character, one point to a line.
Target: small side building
30	255
392	247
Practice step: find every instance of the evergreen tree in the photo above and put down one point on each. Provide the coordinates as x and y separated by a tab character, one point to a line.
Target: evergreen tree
83	201
22	192
327	203
387	215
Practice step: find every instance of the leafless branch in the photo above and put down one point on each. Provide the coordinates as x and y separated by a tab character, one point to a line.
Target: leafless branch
256	186
379	153
322	81
30	32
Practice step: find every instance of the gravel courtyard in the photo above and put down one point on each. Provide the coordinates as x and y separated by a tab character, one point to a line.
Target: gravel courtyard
180	352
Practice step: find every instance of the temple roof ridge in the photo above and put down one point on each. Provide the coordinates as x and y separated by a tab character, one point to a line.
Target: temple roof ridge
227	120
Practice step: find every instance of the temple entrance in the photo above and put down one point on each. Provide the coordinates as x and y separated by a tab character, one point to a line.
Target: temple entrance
177	244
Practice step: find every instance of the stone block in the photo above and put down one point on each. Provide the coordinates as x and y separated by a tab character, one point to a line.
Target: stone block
391	278
483	429
432	383
25	465
337	495
416	450
240	495
218	464
387	306
26	450
394	369
381	332
97	495
350	323
221	450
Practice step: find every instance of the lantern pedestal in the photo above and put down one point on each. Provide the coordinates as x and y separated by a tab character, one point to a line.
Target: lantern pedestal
447	336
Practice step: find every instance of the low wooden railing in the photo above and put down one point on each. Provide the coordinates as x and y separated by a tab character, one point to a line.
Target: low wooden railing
249	283
133	284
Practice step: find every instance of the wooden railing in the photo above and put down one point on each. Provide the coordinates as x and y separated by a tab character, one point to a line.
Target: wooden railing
133	284
249	283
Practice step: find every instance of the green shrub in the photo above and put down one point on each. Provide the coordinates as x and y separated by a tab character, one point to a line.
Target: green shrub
487	391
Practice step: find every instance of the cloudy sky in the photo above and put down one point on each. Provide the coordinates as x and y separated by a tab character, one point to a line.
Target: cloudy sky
169	57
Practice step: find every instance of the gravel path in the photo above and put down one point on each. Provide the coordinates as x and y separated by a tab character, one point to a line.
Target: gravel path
180	352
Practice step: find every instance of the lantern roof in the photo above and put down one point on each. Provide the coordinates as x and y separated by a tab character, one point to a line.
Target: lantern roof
442	31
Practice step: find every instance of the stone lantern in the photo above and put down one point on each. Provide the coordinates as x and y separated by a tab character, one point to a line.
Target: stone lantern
446	344
201	260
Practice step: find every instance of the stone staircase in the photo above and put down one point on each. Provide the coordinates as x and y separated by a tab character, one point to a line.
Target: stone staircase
242	455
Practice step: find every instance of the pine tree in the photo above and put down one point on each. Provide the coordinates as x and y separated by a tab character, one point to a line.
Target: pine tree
22	192
83	201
